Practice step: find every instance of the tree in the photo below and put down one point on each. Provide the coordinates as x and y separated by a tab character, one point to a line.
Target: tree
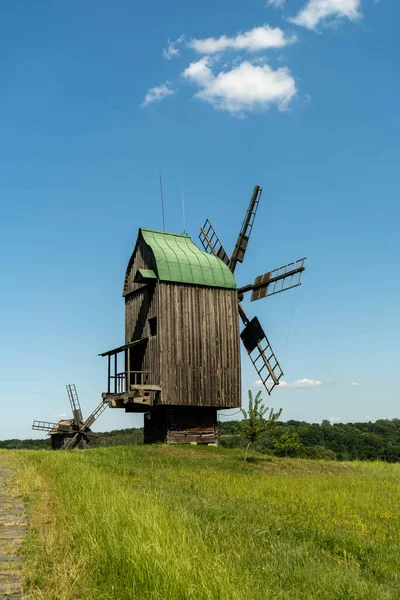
288	444
255	422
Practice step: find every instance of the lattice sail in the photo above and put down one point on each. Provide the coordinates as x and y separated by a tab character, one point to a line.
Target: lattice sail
244	235
52	427
279	280
261	354
74	401
211	242
95	414
43	426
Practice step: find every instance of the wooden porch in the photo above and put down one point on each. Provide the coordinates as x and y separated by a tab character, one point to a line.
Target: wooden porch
126	387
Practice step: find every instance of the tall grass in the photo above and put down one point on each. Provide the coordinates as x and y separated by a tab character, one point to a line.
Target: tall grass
174	523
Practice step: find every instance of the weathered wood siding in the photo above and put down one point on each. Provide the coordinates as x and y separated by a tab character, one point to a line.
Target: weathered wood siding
198	333
141	304
195	354
142	258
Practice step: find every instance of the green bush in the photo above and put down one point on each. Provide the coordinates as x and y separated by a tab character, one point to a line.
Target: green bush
319	453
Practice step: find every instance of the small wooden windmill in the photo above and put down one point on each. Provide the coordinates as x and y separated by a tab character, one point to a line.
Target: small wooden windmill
181	358
71	433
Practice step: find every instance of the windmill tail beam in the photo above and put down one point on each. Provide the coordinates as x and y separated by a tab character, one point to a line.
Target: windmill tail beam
93	435
70	442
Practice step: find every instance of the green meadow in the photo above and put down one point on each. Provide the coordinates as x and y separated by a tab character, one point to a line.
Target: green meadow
177	523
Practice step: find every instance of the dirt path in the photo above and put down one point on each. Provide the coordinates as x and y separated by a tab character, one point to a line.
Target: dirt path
12	530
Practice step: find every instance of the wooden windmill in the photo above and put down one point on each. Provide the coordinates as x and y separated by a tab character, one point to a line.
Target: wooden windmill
181	358
71	433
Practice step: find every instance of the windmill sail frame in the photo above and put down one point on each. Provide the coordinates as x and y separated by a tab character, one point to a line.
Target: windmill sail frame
71	433
284	278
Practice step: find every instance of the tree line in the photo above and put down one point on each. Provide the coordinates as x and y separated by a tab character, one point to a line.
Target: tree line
339	441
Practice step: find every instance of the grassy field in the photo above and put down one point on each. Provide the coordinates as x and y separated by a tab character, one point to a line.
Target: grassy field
173	523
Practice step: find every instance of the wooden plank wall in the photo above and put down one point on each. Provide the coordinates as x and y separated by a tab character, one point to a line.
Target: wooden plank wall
195	356
142	258
200	353
141	304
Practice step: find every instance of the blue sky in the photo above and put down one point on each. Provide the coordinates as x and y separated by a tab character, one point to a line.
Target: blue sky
300	97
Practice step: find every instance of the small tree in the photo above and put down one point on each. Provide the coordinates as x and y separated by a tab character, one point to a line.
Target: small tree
255	420
288	444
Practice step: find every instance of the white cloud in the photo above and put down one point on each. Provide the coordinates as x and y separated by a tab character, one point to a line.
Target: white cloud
199	72
259	38
302	383
299	384
173	48
276	3
156	94
355	383
61	415
335	419
245	87
319	10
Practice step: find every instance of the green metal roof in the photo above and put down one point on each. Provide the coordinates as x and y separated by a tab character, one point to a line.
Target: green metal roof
178	259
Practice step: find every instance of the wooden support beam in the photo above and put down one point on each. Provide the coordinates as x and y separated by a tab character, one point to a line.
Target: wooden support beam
146	388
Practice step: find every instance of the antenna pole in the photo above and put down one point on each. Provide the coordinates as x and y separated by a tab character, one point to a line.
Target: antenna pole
183	209
162	202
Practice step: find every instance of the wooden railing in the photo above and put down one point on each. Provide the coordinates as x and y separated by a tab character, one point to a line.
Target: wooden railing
117	384
123	357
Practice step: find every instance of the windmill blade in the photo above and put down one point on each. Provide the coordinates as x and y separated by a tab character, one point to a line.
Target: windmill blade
247	226
43	426
97	436
95	415
274	282
92	434
260	352
211	242
70	442
279	280
75	405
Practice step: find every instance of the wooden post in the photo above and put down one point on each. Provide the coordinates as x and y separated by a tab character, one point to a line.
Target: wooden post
109	374
115	374
128	371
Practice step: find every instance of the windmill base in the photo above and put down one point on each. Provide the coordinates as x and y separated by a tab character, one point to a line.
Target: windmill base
181	425
58	440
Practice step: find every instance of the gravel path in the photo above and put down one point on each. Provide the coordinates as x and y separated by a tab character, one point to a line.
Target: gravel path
12	530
